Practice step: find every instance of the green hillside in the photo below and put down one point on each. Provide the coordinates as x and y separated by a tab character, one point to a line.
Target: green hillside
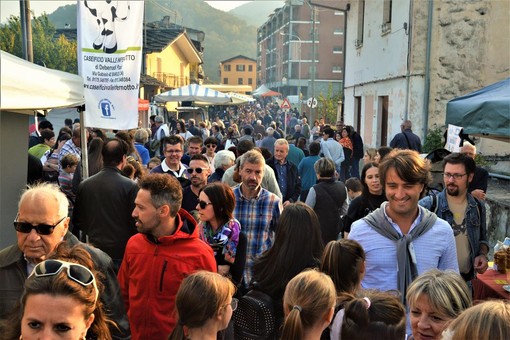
225	34
256	12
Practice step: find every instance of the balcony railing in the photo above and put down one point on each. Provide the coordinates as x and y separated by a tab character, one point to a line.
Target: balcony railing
171	80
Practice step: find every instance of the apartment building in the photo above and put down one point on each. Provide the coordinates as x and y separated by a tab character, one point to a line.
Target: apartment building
239	70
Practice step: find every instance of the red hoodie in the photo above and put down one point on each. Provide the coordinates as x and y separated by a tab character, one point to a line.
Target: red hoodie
152	271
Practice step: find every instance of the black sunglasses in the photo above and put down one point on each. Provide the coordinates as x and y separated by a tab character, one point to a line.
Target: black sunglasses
203	204
76	272
41	229
197	170
211	145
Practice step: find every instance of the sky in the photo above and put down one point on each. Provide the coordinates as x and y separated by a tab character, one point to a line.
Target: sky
11	7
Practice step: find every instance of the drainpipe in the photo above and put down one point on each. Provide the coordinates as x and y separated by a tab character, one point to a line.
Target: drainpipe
409	51
427	70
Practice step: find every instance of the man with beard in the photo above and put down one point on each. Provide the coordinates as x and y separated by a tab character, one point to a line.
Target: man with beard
464	212
156	260
257	209
199	172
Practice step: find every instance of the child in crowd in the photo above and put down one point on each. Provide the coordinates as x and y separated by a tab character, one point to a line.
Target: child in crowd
65	179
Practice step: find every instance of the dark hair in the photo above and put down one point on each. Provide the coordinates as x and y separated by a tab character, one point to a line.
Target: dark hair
172	140
114	151
315	148
354	184
128	138
47	135
460	158
273	270
377	316
342	261
244	146
409	166
164	190
211	140
222	199
329	131
182	125
95	155
45	124
383	151
366	167
247	130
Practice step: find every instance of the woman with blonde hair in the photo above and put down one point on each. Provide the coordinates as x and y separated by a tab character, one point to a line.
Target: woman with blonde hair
488	320
309	303
435	298
204	306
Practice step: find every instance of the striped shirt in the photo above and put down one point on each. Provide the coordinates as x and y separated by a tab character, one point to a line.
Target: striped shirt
258	216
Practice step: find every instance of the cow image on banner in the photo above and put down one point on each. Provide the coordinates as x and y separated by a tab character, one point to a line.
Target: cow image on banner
110	61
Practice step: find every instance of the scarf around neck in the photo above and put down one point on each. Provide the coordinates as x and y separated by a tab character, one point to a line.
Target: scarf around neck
406	257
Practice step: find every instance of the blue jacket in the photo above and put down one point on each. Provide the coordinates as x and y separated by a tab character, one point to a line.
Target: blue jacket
475	219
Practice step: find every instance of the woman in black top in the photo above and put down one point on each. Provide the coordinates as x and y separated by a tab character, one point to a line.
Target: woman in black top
371	198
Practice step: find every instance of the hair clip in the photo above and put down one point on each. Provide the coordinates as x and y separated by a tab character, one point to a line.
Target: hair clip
298	308
368	302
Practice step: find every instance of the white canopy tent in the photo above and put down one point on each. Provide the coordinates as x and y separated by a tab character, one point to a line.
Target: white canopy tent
194	93
25	87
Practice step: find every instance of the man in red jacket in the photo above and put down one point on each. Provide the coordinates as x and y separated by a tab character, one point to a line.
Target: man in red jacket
156	260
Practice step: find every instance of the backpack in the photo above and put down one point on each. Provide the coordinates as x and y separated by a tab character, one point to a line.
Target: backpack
254	317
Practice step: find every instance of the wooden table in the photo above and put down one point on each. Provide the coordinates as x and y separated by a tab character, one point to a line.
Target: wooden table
489	285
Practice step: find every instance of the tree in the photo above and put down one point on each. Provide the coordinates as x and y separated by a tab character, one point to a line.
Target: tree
49	50
327	105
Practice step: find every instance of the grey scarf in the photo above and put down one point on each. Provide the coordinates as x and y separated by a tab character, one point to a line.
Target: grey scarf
406	258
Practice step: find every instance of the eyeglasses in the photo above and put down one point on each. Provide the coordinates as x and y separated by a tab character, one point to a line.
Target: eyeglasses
197	170
76	272
448	175
203	204
233	304
211	145
41	229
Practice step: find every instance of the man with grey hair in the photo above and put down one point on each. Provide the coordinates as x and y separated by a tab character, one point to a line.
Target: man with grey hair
162	131
478	185
286	173
406	139
256	209
327	199
268	141
141	137
223	160
41	224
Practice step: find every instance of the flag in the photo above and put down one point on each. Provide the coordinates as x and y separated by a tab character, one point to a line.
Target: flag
109	61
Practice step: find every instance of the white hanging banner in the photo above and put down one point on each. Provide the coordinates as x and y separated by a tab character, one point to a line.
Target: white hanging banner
109	61
453	138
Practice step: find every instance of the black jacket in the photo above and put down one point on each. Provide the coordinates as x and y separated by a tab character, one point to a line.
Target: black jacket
293	181
13	275
330	196
103	210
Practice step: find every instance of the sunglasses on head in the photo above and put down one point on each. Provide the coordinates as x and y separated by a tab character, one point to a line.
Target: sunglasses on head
76	272
203	204
41	229
197	170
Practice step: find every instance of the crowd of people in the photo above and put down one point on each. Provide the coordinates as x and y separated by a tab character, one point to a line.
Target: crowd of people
237	229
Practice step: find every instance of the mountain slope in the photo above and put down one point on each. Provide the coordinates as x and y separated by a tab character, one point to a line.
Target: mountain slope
225	34
256	12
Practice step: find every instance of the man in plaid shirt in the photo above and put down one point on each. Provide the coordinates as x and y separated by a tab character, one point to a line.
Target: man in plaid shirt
256	209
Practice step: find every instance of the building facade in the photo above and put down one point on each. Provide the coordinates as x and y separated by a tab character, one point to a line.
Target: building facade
405	59
239	70
288	41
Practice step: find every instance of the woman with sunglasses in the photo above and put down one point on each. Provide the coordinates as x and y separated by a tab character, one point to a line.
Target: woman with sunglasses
204	305
221	230
60	300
